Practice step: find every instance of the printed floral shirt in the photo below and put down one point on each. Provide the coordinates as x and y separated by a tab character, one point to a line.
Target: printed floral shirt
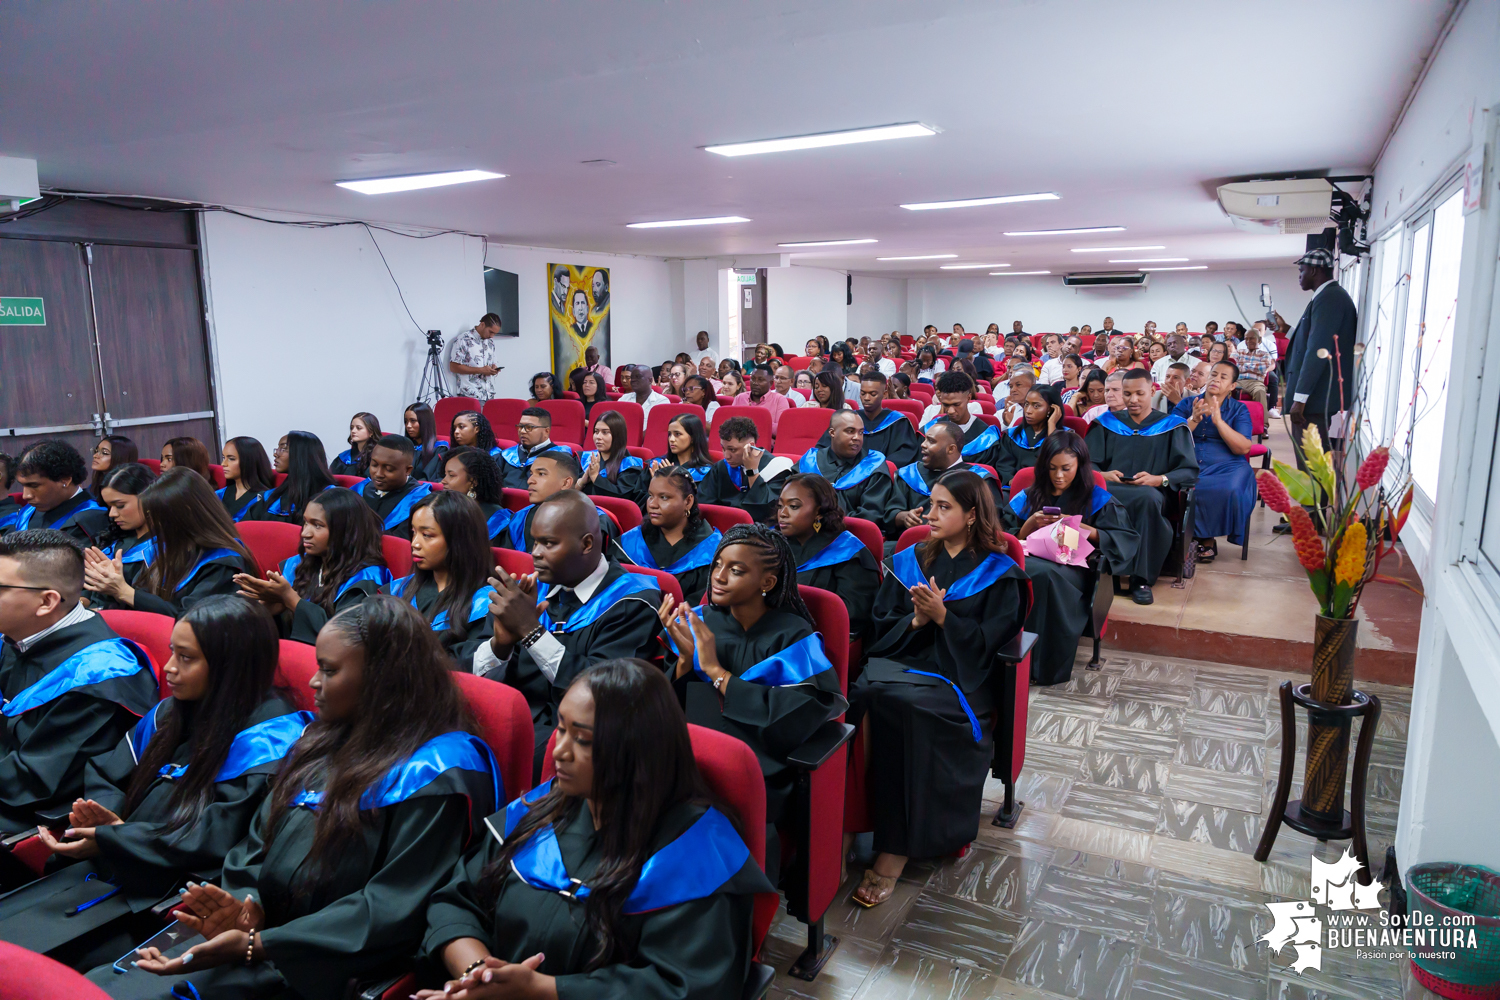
473	350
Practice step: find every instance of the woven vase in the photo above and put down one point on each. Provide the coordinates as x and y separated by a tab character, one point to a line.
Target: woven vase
1328	742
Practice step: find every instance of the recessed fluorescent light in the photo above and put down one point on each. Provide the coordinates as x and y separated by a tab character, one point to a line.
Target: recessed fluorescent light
1114	249
907	130
825	243
1195	267
1005	199
969	267
924	256
1068	232
1148	260
685	222
1013	274
415	182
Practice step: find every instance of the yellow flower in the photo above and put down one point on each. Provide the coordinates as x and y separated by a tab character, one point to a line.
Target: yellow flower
1350	567
1319	463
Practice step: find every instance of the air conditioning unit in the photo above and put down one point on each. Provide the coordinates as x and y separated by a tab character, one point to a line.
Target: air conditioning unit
1087	279
1294	206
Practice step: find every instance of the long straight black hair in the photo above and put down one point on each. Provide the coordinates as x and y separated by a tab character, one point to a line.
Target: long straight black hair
970	493
130	479
470	561
696	432
186	520
122	451
239	641
1075	499
306	471
354	533
256	474
619	439
426	428
643	768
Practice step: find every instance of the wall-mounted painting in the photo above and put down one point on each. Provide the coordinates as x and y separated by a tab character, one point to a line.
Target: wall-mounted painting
578	305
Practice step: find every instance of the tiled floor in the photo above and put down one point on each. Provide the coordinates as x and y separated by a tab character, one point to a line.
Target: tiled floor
1130	874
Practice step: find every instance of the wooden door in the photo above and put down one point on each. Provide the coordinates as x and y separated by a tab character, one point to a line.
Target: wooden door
753	313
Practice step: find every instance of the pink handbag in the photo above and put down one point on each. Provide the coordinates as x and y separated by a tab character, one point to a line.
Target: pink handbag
1063	542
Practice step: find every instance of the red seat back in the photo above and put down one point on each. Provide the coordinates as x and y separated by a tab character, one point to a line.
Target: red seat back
801	428
270	542
1077	425
514	499
567	421
724	401
216	472
513	562
397	552
297	664
347	482
986	406
151	632
641	452
503	415
759	414
991	419
1257	417
633	414
665	581
445	409
724	518
911	407
869	533
655	437
154	464
797	362
29	976
504	721
626	514
911	536
831	616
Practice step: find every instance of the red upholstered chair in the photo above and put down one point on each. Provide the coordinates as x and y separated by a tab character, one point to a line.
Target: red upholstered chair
445	409
869	533
29	976
801	428
217	472
722	401
641	452
759	414
154	464
397	552
570	394
911	407
567	421
1258	431
665	581
655	437
983	396
297	663
270	542
513	562
988	468
505	724
514	499
986	406
347	482
1077	425
503	415
632	413
724	518
991	419
797	362
626	514
151	632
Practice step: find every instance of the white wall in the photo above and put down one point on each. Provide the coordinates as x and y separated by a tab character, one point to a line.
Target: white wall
803	302
1044	305
879	307
308	327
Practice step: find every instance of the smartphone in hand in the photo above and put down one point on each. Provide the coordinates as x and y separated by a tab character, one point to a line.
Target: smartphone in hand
1052	511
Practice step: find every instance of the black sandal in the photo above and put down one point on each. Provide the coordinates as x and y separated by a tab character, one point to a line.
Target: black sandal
1208	550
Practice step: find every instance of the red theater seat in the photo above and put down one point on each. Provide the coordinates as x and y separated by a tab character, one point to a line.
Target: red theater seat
633	415
801	428
655	437
271	542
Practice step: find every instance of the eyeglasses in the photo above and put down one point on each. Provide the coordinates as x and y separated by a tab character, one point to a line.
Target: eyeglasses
17	586
528	427
280	449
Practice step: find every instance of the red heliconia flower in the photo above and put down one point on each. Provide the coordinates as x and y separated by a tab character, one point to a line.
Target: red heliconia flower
1373	467
1273	492
1305	538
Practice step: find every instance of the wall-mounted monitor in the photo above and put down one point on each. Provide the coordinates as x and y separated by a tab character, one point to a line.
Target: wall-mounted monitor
502	298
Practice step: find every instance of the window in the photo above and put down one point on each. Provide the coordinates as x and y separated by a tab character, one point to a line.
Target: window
1379	338
1435	348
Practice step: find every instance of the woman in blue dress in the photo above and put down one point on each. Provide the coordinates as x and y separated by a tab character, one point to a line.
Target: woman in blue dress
1225	494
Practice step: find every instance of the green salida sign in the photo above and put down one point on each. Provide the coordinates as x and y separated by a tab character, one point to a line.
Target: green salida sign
22	312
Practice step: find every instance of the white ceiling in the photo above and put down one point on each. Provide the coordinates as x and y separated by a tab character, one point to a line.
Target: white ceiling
1131	112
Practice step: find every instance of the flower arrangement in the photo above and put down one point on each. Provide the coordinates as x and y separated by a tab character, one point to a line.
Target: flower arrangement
1341	543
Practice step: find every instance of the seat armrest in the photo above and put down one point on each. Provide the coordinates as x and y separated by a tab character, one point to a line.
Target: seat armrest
10	842
1017	649
817	748
758	982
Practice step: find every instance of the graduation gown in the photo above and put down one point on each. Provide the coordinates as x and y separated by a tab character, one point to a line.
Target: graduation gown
144	858
458	642
81	517
688	922
365	918
346	463
690	560
71	696
1225	495
517	534
1018	449
981	442
891	433
307	619
10	510
496	522
238	507
697	472
913	488
840	564
272	506
863	484
629	483
927	699
394	509
133	551
515	462
212	575
428	465
725	486
1062	597
784	689
1160	445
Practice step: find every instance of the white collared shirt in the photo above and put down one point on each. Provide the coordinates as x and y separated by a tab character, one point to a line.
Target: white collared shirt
78	614
548	650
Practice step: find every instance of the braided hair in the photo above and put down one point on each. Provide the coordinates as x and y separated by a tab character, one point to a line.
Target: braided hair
484	438
776	556
685	487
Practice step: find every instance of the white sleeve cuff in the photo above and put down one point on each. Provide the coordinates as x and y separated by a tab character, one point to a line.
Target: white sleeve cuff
486	662
1299	397
548	654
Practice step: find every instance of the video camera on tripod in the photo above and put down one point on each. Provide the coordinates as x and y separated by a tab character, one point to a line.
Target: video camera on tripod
433	387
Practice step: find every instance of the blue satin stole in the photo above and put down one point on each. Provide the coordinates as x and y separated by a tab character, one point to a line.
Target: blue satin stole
518	525
252	747
243	510
1021	503
626	462
498	521
863	469
378	575
402	511
479	604
797	664
700	555
346	456
696	472
211	556
1018	437
602	600
25	514
105	660
144	552
909	571
512	455
911	475
450	751
693	866
843	548
887	418
1111	422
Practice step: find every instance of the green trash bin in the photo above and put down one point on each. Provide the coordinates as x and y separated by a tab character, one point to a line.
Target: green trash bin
1448	895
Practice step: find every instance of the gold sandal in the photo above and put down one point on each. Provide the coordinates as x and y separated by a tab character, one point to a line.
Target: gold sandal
883	886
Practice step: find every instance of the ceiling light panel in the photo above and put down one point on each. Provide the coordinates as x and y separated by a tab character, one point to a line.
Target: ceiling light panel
907	130
1195	267
1004	199
969	267
416	182
715	221
1014	274
924	256
1148	260
826	243
1114	249
1067	232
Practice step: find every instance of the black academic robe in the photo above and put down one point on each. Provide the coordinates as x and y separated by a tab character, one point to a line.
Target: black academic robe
458	641
517	535
515	462
981	444
1062	596
361	920
347	463
80	517
920	737
854	580
1017	450
272	506
692	577
394	509
132	561
896	439
145	856
306	620
775	712
871	497
630	481
726	486
1161	445
913	489
213	578
496	521
239	507
48	735
428	465
698	949
10	510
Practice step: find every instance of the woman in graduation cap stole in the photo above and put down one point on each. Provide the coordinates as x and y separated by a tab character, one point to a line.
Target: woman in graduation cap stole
169	802
365	820
617	878
827	556
1041	414
128	536
1062	596
300	457
451	560
751	661
674	537
341	563
610	470
924	701
474	474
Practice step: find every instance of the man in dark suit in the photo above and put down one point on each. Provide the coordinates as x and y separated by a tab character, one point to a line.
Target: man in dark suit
1320	365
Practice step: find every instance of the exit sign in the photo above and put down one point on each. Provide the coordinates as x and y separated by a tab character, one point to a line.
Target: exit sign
22	312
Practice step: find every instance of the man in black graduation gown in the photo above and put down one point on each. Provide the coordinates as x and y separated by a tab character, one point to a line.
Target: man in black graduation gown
539	656
1143	453
955	393
889	432
52	476
551	474
391	491
941	454
747	477
71	687
858	474
534	434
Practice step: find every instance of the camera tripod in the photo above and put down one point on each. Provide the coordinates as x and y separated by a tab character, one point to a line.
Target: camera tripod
432	387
